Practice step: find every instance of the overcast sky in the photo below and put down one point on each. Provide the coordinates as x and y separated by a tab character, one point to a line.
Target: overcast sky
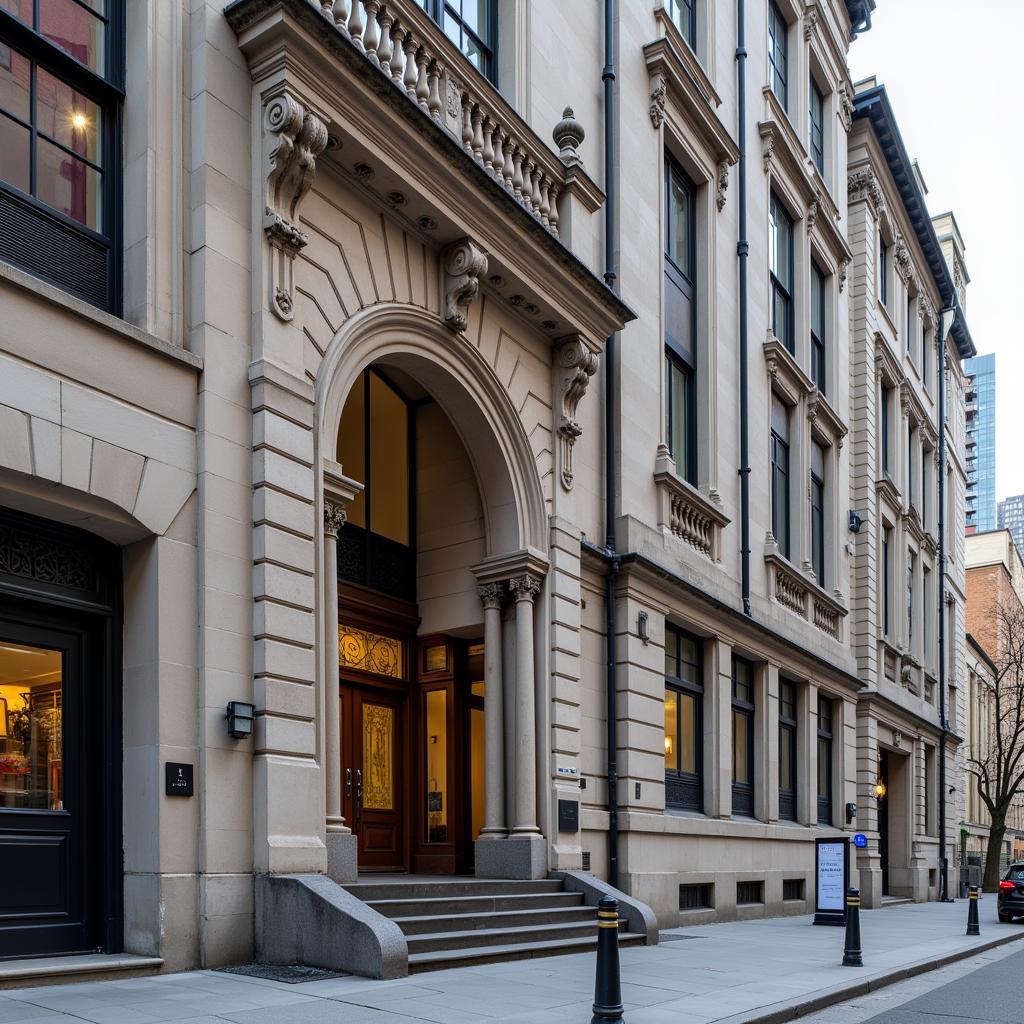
953	72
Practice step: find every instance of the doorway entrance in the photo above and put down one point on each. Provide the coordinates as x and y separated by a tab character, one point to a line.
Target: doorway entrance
883	818
59	744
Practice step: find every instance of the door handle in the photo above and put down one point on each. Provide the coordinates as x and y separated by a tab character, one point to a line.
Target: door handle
348	783
359	792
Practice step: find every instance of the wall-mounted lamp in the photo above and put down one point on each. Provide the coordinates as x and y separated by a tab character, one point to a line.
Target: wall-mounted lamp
856	521
880	789
240	718
851	813
668	744
641	627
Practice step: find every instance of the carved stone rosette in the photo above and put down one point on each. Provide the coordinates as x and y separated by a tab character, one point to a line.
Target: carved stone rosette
464	263
576	365
293	138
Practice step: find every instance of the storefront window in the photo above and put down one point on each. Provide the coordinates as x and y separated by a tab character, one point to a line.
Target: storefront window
436	723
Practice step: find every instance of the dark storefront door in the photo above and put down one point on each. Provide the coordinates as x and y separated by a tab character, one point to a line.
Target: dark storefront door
51	703
883	822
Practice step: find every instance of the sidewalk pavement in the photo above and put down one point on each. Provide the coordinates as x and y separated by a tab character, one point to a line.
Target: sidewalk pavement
766	971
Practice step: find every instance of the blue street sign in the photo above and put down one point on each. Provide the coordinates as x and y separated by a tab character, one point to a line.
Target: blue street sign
860	840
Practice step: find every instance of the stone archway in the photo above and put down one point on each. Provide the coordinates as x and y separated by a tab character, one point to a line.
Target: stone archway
478	407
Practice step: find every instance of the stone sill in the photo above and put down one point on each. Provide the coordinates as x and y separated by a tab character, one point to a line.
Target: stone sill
63	969
55	296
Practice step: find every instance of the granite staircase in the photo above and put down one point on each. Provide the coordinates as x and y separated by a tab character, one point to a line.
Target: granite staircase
454	922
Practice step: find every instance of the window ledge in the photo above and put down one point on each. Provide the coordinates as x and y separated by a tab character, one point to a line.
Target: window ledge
685	512
787	378
40	289
886	487
799	593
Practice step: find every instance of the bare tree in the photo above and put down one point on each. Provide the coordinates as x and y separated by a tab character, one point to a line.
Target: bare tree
998	766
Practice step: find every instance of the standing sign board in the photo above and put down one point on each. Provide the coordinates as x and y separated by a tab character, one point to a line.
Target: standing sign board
831	880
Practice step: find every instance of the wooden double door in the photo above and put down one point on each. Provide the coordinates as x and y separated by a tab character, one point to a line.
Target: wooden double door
412	760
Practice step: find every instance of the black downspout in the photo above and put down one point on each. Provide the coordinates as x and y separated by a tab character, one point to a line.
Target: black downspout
610	489
943	723
743	251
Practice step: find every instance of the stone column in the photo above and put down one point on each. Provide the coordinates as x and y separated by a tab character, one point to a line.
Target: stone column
334	519
524	589
491	595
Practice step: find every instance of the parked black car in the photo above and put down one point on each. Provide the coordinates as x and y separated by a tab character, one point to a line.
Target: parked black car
1011	894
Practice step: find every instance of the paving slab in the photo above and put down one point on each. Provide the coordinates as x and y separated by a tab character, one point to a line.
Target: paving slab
766	971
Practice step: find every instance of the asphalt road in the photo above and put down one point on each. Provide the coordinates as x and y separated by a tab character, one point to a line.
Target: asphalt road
986	990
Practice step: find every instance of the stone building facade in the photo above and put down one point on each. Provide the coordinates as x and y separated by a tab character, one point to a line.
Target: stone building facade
316	480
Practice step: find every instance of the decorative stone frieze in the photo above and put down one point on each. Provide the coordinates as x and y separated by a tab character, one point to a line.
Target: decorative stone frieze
293	138
576	364
464	263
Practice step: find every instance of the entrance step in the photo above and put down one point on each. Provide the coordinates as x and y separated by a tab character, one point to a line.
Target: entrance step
895	901
60	970
452	921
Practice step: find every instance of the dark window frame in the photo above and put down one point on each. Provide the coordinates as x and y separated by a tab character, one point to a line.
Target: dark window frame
782	291
826	747
886	399
743	793
685	790
683	14
681	338
780	480
817	501
488	48
788	724
816	127
886	579
39	226
778	54
819	330
883	271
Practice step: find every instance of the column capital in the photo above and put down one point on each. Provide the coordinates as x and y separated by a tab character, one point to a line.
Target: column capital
335	516
525	587
492	595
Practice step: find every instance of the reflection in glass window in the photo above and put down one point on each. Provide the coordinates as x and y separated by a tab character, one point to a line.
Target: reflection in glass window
683	722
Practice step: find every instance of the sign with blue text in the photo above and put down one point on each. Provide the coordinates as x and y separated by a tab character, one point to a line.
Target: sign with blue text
831	877
860	840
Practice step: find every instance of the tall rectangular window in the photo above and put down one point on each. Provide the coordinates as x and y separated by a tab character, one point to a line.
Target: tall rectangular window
927	341
883	271
680	320
742	737
684	695
886	579
929	782
886	442
472	25
61	89
684	15
787	750
778	58
780	475
780	227
911	569
817	126
911	467
819	293
817	491
825	713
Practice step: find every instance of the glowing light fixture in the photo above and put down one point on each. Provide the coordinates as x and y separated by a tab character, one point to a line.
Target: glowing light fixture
79	121
668	744
880	789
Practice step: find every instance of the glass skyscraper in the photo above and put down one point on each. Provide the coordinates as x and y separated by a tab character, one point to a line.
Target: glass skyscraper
981	443
1011	517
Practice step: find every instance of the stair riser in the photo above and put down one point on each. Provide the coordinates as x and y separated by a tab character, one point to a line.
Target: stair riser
370	891
466	960
431	925
476	940
476	905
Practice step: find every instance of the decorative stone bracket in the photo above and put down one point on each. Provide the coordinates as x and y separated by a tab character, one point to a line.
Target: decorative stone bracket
576	365
293	138
464	263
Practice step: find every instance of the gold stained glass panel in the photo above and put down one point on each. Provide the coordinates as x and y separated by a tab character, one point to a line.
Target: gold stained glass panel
378	757
364	651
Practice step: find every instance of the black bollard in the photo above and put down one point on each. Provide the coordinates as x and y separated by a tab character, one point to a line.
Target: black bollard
851	947
973	928
607	990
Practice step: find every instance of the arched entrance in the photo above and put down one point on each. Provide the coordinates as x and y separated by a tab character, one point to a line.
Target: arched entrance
442	497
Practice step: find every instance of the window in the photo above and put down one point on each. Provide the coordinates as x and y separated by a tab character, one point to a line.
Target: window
749	892
787	750
781	243
825	711
472	26
696	897
886	578
929	777
926	480
780	475
911	566
684	691
886	404
61	75
818	512
817	127
742	737
684	15
778	68
792	889
911	466
818	327
680	321
926	618
911	333
883	271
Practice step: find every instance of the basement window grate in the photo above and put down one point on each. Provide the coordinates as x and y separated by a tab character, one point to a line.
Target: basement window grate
792	888
748	893
696	897
586	860
290	974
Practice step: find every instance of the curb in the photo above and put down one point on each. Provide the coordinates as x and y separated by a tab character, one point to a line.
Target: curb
780	1013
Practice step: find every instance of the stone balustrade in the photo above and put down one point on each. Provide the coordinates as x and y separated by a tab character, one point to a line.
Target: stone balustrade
401	40
687	513
794	591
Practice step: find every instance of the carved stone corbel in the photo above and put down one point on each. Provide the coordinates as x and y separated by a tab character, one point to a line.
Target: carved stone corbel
659	90
723	184
463	265
810	20
576	365
863	184
846	106
901	258
844	266
293	138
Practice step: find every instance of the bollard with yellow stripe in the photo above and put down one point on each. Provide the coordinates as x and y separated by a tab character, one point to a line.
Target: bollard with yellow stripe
607	987
851	947
973	925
